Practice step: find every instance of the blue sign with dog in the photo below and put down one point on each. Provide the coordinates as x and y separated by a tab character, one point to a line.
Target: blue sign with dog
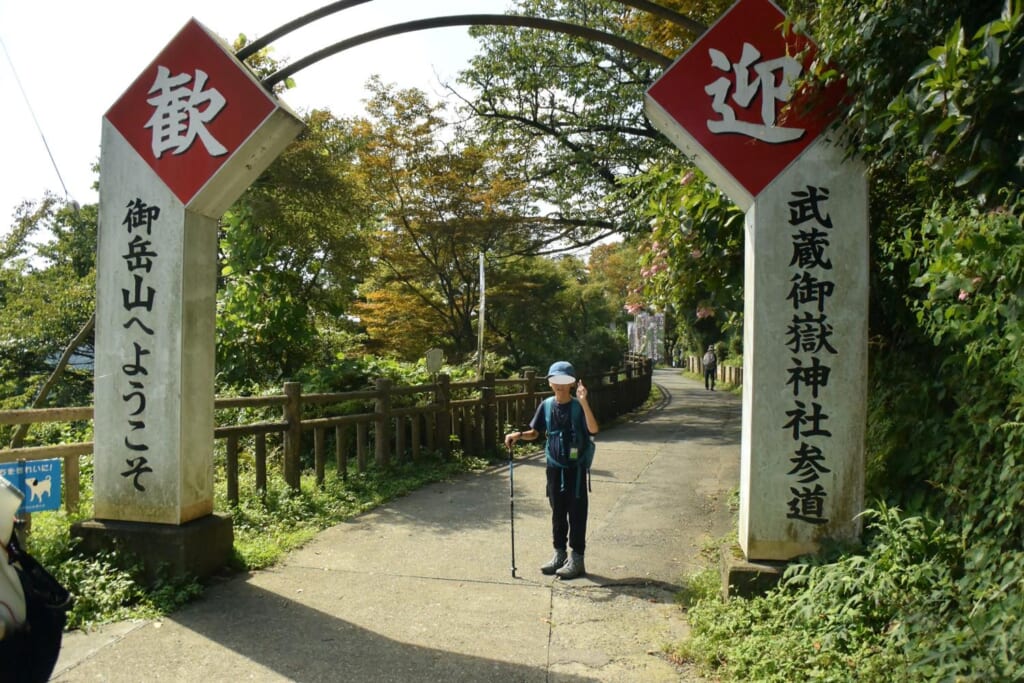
39	480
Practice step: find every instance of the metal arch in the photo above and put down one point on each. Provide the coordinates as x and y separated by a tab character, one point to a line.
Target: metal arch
467	20
693	26
252	48
260	43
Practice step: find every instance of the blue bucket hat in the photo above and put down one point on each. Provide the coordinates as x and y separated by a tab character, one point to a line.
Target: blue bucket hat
561	372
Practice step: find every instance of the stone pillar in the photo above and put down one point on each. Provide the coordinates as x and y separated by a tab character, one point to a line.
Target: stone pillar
805	357
734	103
180	145
156	282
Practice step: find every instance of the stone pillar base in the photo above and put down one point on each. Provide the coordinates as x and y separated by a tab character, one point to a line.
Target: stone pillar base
198	548
745	578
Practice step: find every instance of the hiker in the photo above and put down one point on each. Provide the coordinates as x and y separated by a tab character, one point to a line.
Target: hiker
710	368
33	604
568	423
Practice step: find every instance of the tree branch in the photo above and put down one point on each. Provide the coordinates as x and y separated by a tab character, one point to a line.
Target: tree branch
58	372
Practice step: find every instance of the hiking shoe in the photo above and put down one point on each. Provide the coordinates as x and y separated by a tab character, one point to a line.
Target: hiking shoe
555	563
573	568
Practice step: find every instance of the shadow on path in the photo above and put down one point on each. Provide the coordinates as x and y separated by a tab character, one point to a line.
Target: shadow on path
302	643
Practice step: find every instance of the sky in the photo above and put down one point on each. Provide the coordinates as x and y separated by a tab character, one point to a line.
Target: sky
73	59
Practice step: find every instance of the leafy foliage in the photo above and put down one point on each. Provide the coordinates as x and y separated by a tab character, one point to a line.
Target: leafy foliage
854	618
293	250
47	289
449	198
546	308
693	260
572	110
442	203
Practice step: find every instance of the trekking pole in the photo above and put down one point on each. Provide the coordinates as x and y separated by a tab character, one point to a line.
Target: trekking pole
512	507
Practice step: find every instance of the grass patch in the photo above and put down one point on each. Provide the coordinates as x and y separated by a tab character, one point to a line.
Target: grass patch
265	530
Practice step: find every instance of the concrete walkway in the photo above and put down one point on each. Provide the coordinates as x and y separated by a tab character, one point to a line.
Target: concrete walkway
421	589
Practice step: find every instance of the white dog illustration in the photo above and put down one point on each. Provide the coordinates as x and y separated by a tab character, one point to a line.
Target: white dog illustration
38	487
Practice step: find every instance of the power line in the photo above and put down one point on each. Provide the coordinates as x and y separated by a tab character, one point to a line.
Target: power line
39	128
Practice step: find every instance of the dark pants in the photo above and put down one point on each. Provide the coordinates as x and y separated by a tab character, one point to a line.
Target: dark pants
568	512
709	378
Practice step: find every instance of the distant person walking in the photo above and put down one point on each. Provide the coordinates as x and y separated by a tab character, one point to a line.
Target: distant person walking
568	424
710	368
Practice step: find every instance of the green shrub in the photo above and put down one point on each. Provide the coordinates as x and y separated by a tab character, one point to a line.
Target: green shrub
839	620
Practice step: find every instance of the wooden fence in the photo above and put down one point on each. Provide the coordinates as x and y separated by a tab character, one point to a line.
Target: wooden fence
731	375
395	423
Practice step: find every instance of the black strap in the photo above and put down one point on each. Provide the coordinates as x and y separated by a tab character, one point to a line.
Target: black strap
36	579
30	654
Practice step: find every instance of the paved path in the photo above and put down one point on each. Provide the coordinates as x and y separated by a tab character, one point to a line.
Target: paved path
421	589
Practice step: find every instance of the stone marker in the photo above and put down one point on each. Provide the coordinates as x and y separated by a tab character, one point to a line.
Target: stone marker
731	104
179	146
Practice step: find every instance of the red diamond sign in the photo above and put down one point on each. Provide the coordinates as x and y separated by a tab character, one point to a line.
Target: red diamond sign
728	101
191	110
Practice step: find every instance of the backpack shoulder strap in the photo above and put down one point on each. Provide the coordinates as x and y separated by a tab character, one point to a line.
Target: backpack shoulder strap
549	404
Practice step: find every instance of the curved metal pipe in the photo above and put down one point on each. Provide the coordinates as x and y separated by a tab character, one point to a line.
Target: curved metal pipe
252	48
693	26
283	30
469	20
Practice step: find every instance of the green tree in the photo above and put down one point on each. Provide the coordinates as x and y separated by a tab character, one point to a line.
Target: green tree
572	109
613	268
545	307
443	198
692	263
47	295
293	251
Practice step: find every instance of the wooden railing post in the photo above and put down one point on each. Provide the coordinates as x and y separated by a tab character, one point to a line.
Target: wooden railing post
319	454
261	465
443	419
72	486
382	435
293	435
415	436
531	399
361	447
341	451
648	381
231	469
400	439
489	401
